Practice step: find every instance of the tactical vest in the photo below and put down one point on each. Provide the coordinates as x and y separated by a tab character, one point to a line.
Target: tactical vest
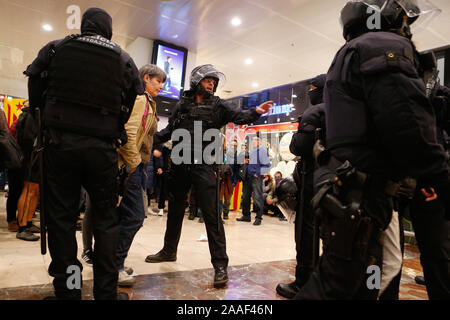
86	81
191	112
346	111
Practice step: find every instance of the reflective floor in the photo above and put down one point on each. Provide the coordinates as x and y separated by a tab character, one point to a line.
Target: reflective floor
260	258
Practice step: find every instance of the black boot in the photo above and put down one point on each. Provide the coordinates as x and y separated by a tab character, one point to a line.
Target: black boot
161	256
288	290
220	276
420	280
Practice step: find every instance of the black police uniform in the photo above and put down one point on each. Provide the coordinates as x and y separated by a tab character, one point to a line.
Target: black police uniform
441	104
89	80
379	119
213	112
302	145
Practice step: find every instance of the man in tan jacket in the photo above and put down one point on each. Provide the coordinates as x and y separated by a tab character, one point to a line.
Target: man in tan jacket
140	129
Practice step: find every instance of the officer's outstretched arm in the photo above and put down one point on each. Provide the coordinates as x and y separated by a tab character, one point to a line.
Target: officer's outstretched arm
234	114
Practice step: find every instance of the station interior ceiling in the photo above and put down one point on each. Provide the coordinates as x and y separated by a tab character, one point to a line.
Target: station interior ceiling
285	41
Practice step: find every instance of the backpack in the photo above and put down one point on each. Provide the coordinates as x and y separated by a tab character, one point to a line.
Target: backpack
11	156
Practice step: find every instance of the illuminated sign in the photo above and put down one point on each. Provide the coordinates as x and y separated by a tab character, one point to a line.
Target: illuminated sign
283	109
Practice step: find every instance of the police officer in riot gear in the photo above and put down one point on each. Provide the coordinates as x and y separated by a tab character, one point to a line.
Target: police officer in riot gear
379	130
199	105
302	145
86	85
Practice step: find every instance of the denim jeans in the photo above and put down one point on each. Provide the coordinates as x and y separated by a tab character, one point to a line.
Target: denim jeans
253	185
131	214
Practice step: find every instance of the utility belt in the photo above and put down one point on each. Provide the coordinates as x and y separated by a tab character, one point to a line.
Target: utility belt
338	201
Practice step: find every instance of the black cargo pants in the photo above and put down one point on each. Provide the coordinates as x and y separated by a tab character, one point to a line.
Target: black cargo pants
71	162
202	177
432	231
342	272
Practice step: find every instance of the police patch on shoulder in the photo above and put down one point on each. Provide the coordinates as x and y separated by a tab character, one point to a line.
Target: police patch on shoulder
100	41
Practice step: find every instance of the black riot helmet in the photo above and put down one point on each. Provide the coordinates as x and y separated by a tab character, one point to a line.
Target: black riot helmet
206	71
359	16
316	91
286	193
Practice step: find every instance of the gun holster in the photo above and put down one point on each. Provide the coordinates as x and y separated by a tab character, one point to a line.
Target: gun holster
346	230
124	174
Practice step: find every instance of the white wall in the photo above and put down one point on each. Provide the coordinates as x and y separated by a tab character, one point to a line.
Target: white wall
16	88
141	51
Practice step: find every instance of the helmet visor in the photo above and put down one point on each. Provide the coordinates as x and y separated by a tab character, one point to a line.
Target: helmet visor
287	211
205	71
422	10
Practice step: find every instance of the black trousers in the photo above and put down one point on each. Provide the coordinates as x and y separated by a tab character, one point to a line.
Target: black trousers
72	162
15	184
304	233
431	229
348	251
202	177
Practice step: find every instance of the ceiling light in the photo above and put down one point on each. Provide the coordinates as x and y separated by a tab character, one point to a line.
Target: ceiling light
236	21
175	36
255	85
294	96
47	27
248	61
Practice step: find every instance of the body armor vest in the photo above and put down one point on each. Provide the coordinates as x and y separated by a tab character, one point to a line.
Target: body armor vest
86	81
204	112
346	111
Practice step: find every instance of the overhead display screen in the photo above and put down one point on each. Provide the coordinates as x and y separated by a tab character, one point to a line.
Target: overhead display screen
173	61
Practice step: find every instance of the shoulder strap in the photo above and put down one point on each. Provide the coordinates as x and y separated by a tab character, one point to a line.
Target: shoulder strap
62	43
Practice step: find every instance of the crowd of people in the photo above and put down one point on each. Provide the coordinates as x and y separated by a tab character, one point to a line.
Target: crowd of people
368	149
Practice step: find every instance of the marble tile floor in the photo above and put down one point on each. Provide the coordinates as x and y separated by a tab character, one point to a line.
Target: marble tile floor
260	258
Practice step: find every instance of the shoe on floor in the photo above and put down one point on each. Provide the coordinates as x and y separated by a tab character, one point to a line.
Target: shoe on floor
257	222
27	236
34	229
200	220
125	280
161	256
123	296
283	218
288	290
13	226
245	219
225	217
420	280
86	256
128	270
191	216
160	212
220	277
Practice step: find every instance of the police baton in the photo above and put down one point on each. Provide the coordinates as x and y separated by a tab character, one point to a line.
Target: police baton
218	198
316	222
40	155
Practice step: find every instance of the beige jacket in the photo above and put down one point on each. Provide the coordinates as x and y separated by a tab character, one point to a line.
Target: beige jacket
135	150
